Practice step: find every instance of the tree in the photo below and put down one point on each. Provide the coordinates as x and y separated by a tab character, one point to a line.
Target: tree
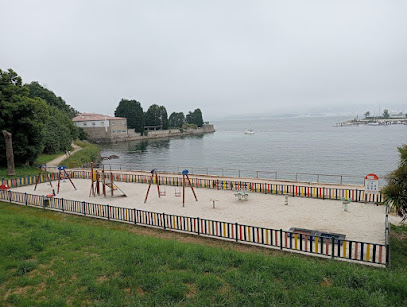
59	129
152	116
23	117
195	118
188	118
367	114
58	135
386	114
156	116
37	90
176	119
132	110
395	192
163	117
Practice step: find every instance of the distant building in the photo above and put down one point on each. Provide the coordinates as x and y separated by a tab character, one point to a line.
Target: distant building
102	128
397	115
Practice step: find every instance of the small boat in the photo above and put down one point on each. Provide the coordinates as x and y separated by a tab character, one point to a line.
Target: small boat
250	131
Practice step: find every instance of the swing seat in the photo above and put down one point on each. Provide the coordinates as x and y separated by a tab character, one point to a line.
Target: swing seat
177	193
163	193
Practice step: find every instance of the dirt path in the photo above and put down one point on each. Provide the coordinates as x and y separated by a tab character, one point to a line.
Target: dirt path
57	161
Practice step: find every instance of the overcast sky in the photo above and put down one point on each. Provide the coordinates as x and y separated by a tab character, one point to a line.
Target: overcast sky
229	58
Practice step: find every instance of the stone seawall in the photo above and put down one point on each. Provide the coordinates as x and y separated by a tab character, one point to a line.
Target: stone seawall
155	134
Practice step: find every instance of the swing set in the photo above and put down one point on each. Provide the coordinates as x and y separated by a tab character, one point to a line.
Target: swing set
154	175
47	176
62	174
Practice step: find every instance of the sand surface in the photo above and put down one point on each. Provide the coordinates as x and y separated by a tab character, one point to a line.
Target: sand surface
362	222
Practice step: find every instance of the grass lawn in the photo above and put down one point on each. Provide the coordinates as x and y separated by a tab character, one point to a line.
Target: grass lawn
23	171
55	259
89	152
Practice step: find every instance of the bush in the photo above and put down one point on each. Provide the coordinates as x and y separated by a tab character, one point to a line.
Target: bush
189	126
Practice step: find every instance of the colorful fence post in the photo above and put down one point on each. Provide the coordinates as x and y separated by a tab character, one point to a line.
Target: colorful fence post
135	217
281	239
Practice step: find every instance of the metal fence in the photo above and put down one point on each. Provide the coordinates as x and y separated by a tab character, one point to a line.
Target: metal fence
245	173
294	190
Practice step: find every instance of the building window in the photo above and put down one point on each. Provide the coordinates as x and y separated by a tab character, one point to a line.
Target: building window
94	124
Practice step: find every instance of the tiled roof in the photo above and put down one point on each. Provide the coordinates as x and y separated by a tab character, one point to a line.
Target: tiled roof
82	117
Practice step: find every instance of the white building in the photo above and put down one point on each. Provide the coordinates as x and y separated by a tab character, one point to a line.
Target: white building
99	127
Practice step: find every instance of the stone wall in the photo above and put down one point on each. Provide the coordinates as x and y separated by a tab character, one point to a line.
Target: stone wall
119	133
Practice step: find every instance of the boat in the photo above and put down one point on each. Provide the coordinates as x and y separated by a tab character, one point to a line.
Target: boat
249	131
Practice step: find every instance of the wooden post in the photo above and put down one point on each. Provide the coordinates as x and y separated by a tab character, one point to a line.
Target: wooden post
158	184
97	183
149	185
69	178
111	183
190	184
47	176
183	190
104	181
38	178
9	153
92	188
59	180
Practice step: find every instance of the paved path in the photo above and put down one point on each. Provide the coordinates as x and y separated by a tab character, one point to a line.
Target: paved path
57	161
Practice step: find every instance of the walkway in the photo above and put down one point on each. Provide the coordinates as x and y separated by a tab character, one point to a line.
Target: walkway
57	161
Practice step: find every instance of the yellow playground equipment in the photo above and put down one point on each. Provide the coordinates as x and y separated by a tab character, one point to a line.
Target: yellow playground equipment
106	180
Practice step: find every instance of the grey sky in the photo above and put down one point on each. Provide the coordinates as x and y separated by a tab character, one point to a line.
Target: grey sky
227	57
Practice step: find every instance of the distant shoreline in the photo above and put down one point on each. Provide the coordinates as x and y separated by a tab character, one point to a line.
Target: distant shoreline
373	122
157	134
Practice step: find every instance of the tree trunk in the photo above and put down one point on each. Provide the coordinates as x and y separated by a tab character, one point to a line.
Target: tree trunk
9	153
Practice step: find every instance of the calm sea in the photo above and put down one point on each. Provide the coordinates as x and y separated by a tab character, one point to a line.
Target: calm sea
285	148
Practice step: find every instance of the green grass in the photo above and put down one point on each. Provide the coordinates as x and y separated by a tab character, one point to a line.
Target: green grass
44	159
89	152
398	243
55	259
23	171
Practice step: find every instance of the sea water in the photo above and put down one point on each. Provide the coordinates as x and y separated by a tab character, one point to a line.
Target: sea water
282	148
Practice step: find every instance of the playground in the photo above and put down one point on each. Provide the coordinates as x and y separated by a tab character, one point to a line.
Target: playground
357	221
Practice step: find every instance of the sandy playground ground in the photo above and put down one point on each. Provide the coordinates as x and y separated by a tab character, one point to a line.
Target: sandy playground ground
362	222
